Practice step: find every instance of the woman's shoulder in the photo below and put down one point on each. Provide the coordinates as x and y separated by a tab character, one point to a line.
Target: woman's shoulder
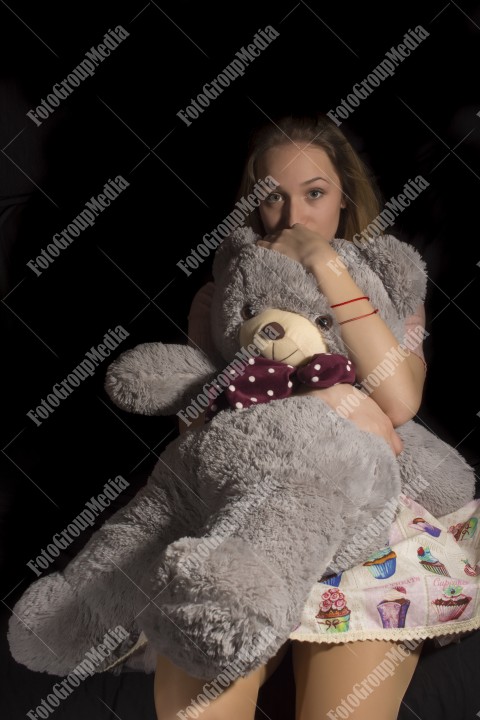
199	332
202	299
199	322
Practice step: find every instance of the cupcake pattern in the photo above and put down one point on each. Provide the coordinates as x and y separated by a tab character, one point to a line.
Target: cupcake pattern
382	564
419	523
430	563
471	570
451	604
393	609
331	579
465	530
333	614
406	585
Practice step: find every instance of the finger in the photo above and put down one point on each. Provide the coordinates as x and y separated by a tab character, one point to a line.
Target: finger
268	241
397	443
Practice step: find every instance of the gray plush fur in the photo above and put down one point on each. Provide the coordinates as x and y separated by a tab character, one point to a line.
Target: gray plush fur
275	492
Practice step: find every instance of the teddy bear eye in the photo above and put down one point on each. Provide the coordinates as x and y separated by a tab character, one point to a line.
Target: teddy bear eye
324	321
247	312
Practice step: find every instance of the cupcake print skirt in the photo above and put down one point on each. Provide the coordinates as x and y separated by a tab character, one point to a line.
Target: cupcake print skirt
424	584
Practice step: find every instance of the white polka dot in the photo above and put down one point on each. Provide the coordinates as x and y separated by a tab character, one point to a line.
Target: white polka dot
290	366
231	387
270	392
271	370
290	384
239	405
213	407
316	367
251	361
315	379
251	378
253	399
232	372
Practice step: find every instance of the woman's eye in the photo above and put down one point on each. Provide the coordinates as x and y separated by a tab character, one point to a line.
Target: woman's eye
273	198
315	194
247	312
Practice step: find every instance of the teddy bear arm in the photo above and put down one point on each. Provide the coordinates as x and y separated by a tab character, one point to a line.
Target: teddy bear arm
157	379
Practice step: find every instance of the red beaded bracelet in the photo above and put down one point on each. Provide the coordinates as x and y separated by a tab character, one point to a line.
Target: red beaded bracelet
358	317
364	297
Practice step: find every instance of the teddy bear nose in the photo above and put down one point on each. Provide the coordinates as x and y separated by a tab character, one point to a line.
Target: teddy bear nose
276	328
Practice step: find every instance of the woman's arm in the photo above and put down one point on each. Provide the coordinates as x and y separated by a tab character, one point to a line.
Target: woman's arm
367	415
368	339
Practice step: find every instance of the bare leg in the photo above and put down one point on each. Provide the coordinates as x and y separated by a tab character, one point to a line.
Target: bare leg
327	674
175	691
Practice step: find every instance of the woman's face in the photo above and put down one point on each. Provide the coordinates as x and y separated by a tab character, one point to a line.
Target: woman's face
309	191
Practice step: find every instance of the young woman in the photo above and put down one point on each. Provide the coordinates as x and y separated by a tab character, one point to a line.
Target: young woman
324	192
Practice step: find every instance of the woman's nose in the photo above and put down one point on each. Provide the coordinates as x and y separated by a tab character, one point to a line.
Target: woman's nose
294	213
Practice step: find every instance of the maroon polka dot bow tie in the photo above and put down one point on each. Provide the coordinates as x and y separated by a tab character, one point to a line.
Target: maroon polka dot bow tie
264	380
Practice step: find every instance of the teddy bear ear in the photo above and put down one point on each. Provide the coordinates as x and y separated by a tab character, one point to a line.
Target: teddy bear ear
231	247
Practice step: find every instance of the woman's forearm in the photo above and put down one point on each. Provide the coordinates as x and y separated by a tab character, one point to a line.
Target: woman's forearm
369	340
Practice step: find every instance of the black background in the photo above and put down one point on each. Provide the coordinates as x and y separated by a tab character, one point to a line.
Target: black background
123	121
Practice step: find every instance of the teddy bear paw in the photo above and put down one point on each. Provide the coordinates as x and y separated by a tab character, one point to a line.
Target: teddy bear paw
52	629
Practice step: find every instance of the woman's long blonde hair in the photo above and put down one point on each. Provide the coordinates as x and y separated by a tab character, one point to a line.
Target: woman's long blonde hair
359	188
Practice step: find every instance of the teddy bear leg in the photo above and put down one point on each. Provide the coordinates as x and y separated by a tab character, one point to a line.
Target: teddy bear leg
282	508
242	584
61	616
201	616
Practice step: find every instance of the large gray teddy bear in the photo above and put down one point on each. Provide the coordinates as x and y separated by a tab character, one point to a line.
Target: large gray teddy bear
241	516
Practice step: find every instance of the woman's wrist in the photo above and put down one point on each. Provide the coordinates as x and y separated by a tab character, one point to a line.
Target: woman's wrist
321	261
